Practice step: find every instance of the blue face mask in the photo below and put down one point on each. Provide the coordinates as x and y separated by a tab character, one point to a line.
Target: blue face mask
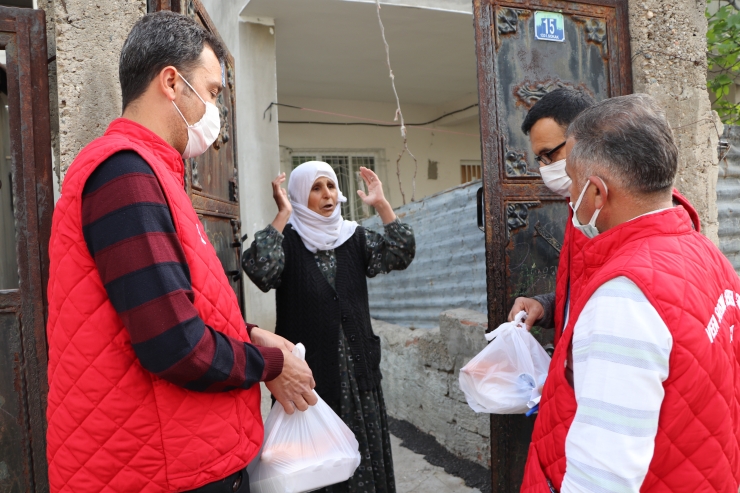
589	229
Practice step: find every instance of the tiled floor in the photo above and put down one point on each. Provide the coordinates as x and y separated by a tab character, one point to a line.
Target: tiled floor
414	474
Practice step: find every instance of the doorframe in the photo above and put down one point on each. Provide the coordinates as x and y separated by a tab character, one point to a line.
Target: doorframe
508	449
23	36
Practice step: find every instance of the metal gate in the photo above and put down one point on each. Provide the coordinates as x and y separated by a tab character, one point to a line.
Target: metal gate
212	181
526	49
26	204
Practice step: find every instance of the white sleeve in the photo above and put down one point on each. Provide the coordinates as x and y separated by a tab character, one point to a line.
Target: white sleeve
621	349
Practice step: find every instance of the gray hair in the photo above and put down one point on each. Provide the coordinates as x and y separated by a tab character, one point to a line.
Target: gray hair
628	138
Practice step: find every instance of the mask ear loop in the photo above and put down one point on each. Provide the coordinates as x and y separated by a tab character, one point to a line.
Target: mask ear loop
592	222
181	115
196	93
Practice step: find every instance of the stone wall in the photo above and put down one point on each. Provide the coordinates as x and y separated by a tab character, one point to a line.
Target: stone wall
668	40
420	380
86	37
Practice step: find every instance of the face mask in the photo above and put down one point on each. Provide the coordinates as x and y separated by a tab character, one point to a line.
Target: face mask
587	229
203	133
555	178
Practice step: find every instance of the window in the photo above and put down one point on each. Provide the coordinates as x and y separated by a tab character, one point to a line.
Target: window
470	171
347	167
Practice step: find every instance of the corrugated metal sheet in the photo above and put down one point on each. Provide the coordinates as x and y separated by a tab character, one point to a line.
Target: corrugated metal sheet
449	270
728	199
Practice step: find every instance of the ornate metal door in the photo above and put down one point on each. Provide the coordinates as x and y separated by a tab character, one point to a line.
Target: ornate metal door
526	49
212	180
26	205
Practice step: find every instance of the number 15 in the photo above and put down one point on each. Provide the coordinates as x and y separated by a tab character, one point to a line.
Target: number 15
549	25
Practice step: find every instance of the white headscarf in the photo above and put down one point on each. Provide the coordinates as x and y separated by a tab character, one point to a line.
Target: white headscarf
316	231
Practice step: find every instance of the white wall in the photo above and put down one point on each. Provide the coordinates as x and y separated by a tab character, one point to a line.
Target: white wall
448	144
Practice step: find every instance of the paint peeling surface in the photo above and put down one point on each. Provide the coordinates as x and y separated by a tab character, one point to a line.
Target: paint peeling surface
449	270
728	198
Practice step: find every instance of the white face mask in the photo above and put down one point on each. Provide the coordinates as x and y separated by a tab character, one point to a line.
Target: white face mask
203	133
587	229
555	178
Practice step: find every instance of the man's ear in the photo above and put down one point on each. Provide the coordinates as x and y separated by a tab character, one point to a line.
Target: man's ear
166	82
602	192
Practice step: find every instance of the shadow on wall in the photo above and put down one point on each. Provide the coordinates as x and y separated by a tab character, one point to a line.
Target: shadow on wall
449	270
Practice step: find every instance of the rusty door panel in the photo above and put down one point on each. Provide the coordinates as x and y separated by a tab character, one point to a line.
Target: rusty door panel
212	179
23	384
525	221
16	466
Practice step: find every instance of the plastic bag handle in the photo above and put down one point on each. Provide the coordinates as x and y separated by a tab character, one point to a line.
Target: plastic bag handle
518	321
299	351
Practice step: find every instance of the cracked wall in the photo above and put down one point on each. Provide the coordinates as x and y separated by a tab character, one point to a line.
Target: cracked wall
668	41
86	37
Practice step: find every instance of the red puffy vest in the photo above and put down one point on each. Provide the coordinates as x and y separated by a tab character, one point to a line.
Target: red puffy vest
112	425
566	279
697	293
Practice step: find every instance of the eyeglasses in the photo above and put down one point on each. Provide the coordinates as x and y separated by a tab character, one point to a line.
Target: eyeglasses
546	157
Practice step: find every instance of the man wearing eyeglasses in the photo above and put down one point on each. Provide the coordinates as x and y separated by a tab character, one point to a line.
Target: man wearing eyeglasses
546	124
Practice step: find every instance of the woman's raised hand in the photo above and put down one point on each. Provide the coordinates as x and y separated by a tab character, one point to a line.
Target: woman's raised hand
281	195
375	196
283	203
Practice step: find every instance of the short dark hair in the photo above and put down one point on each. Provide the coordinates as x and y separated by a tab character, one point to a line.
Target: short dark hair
562	105
159	40
629	138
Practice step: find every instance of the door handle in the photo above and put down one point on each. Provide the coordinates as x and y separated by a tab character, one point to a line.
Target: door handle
481	211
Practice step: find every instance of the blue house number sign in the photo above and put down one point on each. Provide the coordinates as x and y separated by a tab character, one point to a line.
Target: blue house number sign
549	26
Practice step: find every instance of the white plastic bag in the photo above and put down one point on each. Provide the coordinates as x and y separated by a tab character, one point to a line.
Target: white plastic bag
508	375
304	451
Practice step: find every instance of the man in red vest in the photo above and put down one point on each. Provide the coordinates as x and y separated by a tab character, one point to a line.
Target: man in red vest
643	388
546	123
153	373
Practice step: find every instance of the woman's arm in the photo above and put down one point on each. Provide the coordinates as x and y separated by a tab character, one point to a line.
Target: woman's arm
264	260
393	251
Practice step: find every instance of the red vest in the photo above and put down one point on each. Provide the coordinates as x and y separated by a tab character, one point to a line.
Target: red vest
112	425
697	294
568	264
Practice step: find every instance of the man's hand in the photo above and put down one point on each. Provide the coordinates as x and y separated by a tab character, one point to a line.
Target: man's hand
265	338
534	310
294	386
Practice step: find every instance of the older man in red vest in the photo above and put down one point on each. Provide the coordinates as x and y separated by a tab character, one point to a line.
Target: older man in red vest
643	388
153	373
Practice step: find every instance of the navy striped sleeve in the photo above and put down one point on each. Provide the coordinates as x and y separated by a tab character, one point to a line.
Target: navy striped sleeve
129	231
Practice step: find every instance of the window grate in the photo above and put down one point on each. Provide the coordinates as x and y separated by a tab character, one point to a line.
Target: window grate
470	171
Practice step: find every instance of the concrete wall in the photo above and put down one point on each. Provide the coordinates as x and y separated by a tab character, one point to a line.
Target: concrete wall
445	144
86	36
420	380
668	40
449	270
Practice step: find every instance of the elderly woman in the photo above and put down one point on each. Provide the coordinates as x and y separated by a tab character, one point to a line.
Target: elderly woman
317	262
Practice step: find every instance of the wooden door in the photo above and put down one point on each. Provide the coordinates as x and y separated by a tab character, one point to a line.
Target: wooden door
26	206
212	180
525	49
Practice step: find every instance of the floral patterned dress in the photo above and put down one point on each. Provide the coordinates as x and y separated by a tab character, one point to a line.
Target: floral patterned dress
364	412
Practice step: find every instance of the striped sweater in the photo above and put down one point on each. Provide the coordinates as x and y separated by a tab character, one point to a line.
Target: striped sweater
129	232
620	354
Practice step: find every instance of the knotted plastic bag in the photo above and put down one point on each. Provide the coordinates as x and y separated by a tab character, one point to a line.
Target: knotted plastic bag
304	451
508	375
